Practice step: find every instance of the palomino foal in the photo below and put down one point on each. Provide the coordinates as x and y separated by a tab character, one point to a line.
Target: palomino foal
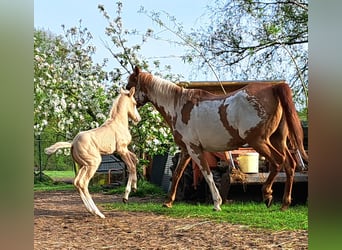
113	135
260	114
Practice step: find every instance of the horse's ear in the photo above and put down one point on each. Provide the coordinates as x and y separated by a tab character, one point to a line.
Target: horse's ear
132	91
136	70
122	91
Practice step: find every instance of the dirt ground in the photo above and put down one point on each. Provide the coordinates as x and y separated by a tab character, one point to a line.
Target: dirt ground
61	222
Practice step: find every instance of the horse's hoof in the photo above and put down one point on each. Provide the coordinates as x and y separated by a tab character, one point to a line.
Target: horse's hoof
134	190
124	200
216	209
268	202
284	207
168	205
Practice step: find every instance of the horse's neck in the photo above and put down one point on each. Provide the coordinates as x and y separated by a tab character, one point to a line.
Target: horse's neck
164	95
162	92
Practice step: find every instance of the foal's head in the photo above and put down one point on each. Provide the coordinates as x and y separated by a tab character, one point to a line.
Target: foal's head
130	103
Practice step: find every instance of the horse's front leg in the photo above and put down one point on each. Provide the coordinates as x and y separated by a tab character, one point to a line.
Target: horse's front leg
177	174
130	161
198	157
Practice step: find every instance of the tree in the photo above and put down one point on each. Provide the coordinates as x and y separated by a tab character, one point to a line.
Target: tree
260	39
69	90
72	93
151	136
249	39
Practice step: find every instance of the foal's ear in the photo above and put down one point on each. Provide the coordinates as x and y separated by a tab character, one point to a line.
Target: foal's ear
132	91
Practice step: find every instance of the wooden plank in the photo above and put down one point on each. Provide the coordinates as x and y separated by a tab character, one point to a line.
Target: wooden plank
260	178
216	87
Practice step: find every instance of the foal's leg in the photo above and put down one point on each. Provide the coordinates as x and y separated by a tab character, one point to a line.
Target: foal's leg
79	177
82	181
130	159
135	161
183	162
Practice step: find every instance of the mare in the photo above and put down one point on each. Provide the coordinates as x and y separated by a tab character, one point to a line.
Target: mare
113	135
260	114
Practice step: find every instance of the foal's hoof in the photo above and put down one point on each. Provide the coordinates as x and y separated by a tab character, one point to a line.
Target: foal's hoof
124	200
268	202
101	215
134	190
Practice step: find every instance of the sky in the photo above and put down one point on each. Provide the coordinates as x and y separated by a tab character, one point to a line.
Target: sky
50	15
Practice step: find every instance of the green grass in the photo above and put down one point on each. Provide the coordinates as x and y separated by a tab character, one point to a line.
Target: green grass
60	174
56	186
50	181
145	188
250	213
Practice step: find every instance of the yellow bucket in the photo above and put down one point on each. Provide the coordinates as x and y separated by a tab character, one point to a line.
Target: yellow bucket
249	162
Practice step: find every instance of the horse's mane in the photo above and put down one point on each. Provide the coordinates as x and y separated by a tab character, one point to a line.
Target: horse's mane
167	88
162	88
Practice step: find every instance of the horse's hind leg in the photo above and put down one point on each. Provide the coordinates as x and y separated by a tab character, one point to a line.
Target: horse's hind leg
290	166
276	159
183	162
279	142
81	182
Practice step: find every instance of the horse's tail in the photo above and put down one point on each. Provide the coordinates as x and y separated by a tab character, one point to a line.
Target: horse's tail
296	135
53	148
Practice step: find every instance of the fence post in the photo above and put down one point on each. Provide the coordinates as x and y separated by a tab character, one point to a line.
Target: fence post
40	158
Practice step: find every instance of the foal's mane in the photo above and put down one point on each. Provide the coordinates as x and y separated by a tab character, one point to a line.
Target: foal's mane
114	108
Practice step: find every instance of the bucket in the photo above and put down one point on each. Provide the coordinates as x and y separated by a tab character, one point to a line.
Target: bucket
249	162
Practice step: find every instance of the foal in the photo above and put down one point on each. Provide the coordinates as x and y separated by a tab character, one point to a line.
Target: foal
113	135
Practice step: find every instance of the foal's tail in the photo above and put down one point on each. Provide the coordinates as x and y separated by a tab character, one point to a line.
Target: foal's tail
296	135
53	148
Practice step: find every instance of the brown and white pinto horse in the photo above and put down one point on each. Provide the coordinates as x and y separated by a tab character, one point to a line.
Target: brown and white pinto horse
260	114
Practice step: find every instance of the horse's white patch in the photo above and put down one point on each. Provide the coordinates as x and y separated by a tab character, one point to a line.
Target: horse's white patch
241	113
205	127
